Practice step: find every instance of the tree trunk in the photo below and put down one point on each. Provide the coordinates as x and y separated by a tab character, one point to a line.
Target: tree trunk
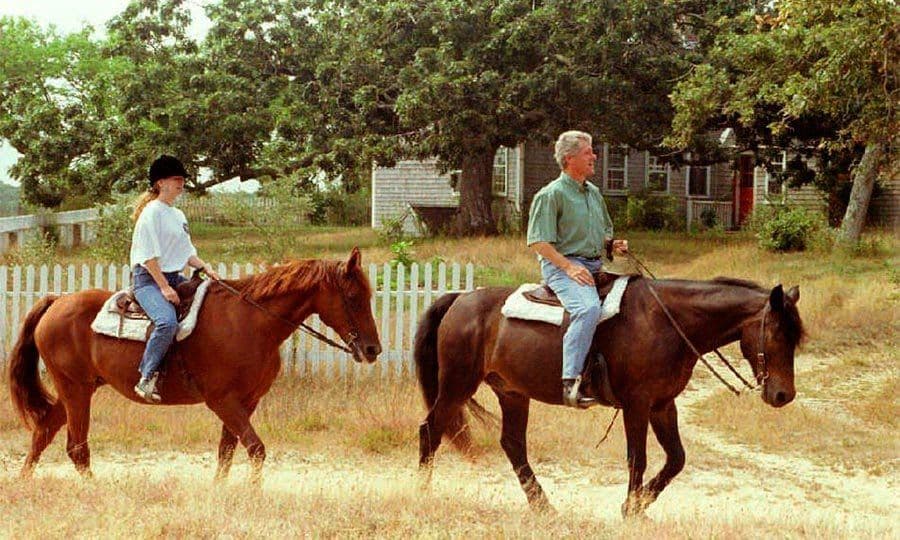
475	215
863	183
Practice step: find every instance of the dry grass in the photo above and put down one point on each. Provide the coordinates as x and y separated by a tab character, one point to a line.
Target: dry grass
172	507
342	453
845	415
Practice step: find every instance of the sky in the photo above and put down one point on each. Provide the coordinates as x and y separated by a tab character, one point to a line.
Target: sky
70	16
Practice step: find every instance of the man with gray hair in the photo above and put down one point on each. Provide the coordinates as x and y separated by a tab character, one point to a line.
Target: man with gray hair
569	228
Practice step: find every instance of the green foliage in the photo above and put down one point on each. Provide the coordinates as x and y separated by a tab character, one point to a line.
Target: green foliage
112	242
816	78
37	250
709	219
403	253
787	229
392	228
9	200
333	206
648	211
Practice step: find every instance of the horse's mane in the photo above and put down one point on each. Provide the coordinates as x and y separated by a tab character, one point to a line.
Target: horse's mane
792	325
737	282
298	275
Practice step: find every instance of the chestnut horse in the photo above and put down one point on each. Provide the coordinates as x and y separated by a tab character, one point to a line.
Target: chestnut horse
463	340
229	361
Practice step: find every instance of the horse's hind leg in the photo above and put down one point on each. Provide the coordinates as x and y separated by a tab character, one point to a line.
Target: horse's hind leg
227	444
43	435
77	401
515	425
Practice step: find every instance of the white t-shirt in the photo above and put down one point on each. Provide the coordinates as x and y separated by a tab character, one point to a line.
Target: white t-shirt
161	232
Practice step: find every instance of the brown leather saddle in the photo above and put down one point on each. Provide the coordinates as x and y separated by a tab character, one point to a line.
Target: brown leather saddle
128	307
596	372
545	295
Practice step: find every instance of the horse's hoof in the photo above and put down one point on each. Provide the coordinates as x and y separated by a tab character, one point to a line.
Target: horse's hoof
633	512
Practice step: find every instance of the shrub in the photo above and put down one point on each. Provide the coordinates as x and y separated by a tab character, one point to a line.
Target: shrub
708	218
653	212
333	206
786	228
36	250
112	238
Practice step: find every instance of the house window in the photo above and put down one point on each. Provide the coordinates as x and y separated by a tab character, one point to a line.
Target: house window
698	181
775	185
616	168
500	181
657	178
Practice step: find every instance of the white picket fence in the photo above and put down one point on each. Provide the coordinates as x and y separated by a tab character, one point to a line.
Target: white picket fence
400	296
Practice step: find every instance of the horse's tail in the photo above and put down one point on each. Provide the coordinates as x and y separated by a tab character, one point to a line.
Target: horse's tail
29	396
425	347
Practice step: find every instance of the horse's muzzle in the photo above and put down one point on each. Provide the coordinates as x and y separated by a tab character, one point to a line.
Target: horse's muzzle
366	353
777	395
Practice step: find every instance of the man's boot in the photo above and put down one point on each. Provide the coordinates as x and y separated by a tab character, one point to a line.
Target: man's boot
146	389
572	396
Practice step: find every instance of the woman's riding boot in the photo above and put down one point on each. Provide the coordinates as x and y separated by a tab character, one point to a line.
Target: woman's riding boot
146	389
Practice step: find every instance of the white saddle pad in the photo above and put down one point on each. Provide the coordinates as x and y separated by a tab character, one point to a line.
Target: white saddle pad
108	322
519	307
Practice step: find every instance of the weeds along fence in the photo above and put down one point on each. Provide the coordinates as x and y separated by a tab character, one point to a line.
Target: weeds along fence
401	294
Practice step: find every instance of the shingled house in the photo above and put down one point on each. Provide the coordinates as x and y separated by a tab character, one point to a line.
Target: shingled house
415	192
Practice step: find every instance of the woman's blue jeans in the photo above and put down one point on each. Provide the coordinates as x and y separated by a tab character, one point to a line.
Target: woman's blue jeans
584	307
160	311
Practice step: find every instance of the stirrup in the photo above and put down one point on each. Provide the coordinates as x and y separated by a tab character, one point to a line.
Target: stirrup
147	390
573	397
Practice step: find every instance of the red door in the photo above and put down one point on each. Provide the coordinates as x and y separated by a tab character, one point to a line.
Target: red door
744	193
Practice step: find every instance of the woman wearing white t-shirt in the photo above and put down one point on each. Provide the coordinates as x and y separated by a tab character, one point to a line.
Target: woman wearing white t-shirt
160	249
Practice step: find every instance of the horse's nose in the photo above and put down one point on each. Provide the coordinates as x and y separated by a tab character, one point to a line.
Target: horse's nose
782	398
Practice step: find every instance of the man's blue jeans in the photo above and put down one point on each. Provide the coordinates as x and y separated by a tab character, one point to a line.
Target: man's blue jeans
160	311
583	305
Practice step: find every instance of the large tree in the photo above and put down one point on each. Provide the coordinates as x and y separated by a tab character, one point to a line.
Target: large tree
820	77
57	109
455	80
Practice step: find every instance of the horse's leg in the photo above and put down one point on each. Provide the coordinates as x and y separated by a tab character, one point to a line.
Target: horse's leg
236	419
665	425
42	435
227	444
77	401
515	425
636	421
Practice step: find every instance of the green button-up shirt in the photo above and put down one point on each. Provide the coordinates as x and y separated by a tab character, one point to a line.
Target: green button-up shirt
571	216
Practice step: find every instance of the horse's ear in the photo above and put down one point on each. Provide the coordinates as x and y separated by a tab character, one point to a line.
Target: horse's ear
793	294
354	260
776	299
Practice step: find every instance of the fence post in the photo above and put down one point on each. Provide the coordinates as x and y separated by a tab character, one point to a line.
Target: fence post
3	326
413	313
398	327
385	316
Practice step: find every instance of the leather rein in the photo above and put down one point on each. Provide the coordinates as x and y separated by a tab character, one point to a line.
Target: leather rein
762	372
354	335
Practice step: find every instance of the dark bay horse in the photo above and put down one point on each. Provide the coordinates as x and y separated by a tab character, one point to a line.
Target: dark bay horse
229	362
463	340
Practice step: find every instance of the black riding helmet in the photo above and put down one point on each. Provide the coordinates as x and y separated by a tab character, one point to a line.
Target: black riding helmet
165	166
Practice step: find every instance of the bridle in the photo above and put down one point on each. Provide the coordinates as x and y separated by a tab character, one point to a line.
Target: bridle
353	335
762	372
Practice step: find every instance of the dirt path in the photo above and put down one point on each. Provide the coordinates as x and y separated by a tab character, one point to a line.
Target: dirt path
758	484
